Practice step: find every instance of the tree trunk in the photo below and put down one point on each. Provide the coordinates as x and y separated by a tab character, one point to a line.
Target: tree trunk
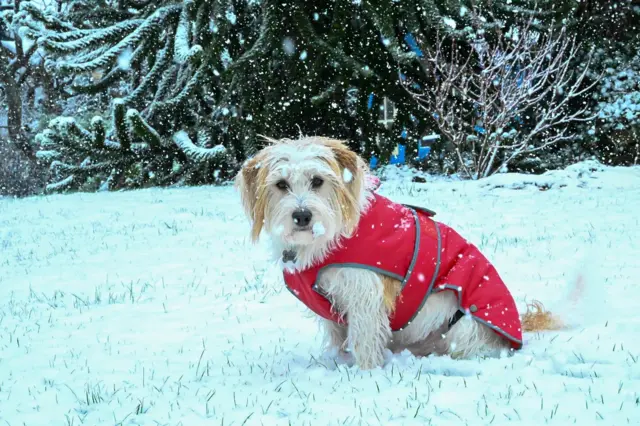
14	119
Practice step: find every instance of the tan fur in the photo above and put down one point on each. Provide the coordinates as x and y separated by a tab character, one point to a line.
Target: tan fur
391	292
250	182
538	319
347	191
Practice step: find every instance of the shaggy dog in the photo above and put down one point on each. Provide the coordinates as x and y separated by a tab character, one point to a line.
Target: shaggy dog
374	284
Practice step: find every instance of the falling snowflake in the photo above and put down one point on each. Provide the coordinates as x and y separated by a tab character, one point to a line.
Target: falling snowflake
347	176
289	46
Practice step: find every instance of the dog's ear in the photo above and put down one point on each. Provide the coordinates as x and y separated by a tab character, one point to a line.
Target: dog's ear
250	183
351	171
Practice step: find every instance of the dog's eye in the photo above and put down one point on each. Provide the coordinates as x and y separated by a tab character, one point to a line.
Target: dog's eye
316	182
282	185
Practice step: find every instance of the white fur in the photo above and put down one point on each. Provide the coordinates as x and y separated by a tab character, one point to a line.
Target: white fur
354	292
359	293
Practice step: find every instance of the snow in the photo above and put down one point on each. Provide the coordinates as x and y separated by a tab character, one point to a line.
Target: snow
231	17
124	59
152	307
450	22
288	45
318	229
185	143
347	176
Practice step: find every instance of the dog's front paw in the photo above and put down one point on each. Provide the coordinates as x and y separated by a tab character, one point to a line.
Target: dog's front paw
369	361
338	356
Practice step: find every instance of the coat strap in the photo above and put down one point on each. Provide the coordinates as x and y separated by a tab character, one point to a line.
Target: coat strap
455	318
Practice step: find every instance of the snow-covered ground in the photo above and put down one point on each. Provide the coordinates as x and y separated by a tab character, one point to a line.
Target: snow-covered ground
151	307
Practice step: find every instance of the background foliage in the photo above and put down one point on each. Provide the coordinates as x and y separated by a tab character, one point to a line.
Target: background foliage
111	94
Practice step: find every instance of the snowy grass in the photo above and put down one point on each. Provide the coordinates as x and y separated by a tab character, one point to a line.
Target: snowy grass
152	308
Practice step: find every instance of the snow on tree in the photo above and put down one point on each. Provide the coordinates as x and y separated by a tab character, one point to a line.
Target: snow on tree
18	62
616	99
506	98
619	104
26	92
230	71
197	81
155	67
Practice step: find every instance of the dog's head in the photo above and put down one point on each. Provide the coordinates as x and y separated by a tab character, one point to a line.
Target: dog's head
303	193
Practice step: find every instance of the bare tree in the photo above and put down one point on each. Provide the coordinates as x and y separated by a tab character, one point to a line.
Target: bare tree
17	65
503	99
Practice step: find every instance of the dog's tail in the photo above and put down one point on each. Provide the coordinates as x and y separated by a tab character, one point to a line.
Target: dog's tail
574	306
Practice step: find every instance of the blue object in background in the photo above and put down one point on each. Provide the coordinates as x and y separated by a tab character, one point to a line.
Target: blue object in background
423	152
423	148
413	45
370	101
399	154
479	129
399	157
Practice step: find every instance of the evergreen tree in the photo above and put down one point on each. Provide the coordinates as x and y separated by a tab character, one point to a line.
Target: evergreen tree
191	85
223	72
613	28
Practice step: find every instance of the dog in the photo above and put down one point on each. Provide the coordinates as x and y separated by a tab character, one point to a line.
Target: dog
380	275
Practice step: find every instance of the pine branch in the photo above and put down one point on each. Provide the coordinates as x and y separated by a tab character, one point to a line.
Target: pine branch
142	129
183	51
77	40
196	153
150	25
99	132
195	81
120	124
162	62
61	185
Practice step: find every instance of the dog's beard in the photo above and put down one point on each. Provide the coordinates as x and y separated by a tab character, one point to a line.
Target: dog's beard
311	242
325	223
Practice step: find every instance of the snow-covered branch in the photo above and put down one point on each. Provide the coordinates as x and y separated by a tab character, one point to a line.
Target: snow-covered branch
197	153
506	98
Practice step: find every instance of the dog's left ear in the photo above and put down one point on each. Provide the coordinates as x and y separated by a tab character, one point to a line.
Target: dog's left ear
352	170
252	192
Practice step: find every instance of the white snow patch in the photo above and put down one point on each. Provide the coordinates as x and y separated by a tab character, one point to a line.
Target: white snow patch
450	22
318	229
231	17
158	297
347	176
124	59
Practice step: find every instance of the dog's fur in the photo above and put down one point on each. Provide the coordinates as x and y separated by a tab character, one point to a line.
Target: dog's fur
280	180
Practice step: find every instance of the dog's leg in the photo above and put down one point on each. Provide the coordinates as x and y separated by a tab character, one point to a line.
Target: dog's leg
360	295
335	335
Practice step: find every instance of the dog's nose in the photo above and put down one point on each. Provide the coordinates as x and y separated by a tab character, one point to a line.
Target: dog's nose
302	217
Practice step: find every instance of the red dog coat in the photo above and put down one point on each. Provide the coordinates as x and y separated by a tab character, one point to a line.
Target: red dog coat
405	243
